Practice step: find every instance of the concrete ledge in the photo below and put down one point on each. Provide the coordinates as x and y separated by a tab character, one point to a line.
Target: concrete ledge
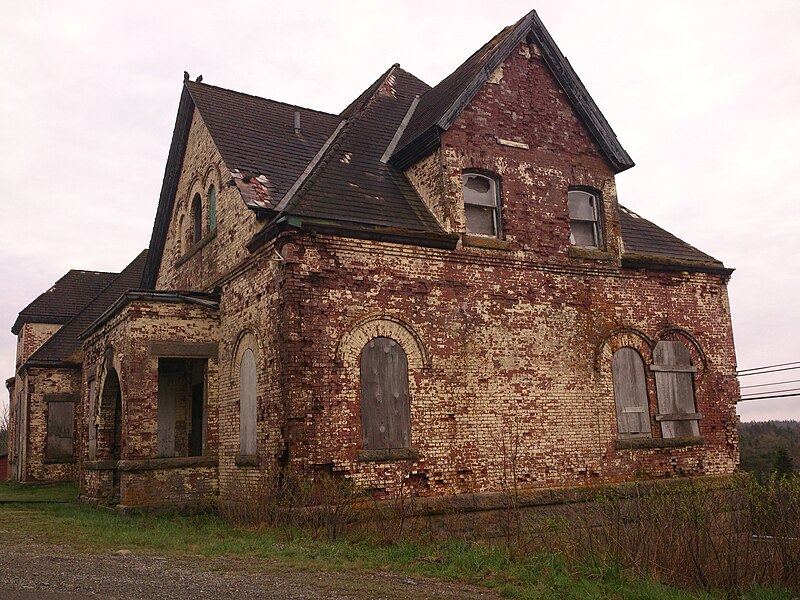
247	460
492	501
591	253
388	455
59	461
180	462
636	443
479	241
99	465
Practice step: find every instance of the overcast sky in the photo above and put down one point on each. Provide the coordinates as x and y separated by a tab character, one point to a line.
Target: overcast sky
705	96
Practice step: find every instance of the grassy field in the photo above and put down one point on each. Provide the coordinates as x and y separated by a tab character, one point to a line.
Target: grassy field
98	531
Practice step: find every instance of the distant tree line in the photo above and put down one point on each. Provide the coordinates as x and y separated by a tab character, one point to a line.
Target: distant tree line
768	447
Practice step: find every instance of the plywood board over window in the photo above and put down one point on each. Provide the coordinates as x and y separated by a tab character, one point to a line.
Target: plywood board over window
630	394
60	426
247	404
674	373
385	419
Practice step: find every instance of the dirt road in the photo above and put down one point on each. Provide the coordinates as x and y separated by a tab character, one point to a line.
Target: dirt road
46	572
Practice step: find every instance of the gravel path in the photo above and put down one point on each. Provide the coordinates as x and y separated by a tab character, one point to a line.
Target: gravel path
48	572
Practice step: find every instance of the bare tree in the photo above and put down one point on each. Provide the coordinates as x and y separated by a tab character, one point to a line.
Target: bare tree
3	427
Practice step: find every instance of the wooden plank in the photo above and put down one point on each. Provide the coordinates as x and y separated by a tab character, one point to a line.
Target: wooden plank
679	417
167	395
247	404
90	424
385	419
60	429
630	394
675	390
674	368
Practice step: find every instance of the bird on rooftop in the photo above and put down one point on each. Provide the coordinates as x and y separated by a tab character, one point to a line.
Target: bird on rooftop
199	79
185	76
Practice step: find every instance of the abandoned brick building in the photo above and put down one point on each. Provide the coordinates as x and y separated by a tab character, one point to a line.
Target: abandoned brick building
415	292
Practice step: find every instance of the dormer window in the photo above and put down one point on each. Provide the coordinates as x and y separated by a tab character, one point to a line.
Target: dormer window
481	205
584	219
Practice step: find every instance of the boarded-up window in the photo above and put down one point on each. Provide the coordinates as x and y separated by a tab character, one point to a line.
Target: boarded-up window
247	404
90	422
60	426
630	394
385	421
674	373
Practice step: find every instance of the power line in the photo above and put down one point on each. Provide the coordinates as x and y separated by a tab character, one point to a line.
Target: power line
768	397
768	367
741	374
771	392
766	384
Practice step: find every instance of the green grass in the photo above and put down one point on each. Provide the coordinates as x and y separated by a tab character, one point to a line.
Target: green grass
98	531
11	491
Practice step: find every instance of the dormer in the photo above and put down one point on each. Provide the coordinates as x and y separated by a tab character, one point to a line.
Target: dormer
515	121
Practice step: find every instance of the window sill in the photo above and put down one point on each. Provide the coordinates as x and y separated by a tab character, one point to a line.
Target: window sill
58	461
388	455
480	241
196	248
247	460
99	465
643	443
590	253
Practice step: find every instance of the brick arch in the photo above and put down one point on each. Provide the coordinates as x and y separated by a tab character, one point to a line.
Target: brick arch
248	338
676	334
212	175
620	338
350	345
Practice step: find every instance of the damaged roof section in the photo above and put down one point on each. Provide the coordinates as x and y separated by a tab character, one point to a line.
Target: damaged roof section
64	346
64	299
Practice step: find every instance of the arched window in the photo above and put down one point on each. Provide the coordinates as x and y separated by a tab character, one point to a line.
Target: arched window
672	365
585	222
630	394
212	208
481	204
197	219
385	419
247	404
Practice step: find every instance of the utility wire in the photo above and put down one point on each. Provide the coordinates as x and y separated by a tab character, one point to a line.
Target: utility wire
768	397
774	383
768	367
741	374
771	392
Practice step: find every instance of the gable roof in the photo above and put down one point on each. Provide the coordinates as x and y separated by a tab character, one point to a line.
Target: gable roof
64	299
65	343
331	174
440	107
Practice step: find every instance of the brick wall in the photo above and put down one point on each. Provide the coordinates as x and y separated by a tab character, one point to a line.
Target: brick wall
40	382
188	266
513	372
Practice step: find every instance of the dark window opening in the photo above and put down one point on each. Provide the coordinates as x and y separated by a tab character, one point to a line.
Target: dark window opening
212	208
385	418
197	219
181	407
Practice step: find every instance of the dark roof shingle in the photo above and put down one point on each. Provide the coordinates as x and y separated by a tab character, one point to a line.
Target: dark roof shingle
64	344
640	236
64	299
